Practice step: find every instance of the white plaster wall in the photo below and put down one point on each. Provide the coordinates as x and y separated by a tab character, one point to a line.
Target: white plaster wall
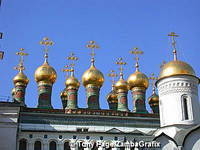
170	91
8	127
192	141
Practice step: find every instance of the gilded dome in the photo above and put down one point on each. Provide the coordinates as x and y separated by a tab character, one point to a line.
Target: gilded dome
112	96
153	99
21	78
45	73
121	84
93	76
138	79
176	67
72	81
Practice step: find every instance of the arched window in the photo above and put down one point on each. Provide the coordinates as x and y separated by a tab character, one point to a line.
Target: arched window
66	146
80	146
52	145
37	145
95	147
22	144
185	107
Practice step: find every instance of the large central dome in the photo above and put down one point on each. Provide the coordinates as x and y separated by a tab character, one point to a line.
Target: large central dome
176	67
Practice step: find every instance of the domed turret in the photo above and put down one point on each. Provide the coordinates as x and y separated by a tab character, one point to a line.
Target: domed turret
138	83
178	92
20	80
176	67
93	76
45	76
45	73
121	87
138	79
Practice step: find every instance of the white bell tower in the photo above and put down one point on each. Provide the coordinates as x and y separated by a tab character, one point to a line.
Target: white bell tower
178	92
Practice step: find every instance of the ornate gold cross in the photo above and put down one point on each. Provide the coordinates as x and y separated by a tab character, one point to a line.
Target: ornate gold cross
121	63
21	54
173	35
136	52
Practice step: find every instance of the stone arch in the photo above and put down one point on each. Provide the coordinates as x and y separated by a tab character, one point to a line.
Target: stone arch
66	144
38	144
192	139
52	144
23	144
166	142
79	142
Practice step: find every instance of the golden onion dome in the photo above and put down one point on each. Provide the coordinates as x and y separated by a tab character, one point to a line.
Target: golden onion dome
45	73
138	79
176	67
73	82
121	84
153	99
21	78
112	96
93	76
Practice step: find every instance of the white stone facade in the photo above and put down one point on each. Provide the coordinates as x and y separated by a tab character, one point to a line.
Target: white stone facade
107	142
173	91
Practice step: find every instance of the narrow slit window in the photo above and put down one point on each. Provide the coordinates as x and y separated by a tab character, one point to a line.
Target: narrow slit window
185	108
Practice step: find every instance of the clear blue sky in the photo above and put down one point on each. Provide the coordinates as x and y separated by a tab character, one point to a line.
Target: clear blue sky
116	25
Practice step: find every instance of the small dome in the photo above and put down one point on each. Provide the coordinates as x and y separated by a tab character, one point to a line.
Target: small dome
112	97
45	73
121	84
176	67
153	99
93	76
138	79
72	81
21	78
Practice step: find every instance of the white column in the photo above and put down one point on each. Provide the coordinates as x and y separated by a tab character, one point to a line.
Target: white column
60	146
73	145
30	145
45	145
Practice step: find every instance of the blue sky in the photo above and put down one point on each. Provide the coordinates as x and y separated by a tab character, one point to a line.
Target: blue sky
116	25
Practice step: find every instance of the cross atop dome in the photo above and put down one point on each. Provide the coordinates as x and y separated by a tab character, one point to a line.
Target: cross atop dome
153	79
72	58
136	52
173	35
46	42
121	63
92	45
112	75
20	67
